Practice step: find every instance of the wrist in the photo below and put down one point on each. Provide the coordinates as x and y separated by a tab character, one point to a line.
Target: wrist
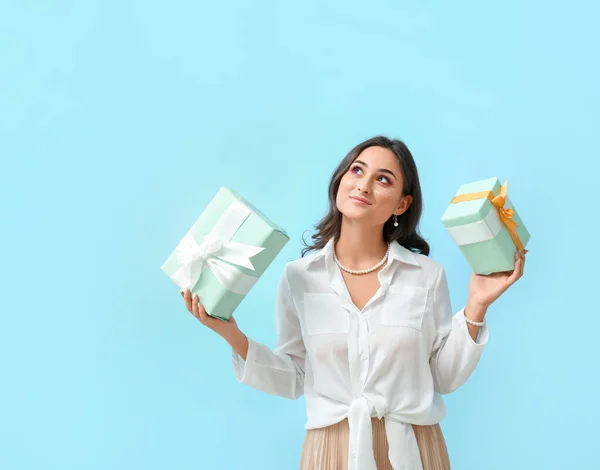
475	310
234	337
238	342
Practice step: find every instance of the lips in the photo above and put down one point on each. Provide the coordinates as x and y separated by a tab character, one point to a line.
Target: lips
361	199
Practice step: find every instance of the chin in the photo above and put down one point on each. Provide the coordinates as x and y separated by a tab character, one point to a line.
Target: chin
356	214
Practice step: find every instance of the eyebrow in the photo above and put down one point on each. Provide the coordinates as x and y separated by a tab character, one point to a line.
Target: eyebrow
383	170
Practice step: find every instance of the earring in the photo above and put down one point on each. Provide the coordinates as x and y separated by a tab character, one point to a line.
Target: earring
395	221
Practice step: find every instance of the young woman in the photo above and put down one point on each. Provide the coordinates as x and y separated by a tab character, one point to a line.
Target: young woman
364	324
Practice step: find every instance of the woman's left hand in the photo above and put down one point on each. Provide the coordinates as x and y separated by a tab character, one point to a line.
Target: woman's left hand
485	289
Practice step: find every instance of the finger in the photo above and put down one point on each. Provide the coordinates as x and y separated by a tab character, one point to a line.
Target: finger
187	297
206	319
203	316
195	303
522	259
522	267
518	271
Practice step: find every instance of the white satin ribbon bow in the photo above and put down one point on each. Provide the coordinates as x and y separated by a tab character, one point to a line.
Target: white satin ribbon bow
216	252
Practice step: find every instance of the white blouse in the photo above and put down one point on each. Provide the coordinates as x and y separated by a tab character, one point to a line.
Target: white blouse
393	360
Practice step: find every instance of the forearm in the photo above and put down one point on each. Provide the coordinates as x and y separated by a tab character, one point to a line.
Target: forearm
476	312
239	343
457	351
279	372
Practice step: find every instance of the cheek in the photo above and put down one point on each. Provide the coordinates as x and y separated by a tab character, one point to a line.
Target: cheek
386	198
384	194
346	183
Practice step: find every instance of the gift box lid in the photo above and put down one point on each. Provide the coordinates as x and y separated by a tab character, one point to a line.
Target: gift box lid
228	193
472	211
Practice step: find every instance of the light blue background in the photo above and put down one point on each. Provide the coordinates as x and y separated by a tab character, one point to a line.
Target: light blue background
119	120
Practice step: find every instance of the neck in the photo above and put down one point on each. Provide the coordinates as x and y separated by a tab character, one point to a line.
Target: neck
359	246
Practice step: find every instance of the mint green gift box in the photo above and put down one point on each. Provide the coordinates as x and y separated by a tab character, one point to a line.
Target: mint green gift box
477	229
225	252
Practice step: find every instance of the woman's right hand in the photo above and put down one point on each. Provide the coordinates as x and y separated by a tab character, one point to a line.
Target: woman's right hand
228	330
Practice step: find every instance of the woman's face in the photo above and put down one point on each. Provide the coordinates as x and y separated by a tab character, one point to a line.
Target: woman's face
371	189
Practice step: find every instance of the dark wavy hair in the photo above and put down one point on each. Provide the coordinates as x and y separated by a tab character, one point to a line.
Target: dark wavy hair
407	232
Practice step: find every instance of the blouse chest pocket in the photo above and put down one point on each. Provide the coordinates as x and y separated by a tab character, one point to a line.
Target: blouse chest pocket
323	314
405	306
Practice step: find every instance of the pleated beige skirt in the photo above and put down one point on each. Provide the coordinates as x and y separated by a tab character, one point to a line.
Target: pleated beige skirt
327	448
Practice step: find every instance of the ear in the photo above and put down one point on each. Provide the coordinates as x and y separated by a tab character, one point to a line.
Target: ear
405	203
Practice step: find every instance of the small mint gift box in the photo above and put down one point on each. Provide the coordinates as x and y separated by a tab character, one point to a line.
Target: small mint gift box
486	227
225	252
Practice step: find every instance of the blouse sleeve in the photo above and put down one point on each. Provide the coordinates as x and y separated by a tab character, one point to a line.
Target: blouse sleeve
279	372
454	354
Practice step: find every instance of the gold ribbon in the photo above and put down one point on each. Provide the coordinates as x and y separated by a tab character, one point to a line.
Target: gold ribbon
506	215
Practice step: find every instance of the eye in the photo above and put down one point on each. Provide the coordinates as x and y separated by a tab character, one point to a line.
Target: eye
355	169
385	178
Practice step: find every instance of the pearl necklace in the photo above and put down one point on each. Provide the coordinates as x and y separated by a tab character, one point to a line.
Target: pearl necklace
362	271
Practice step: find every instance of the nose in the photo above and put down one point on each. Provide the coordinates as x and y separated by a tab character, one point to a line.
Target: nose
363	187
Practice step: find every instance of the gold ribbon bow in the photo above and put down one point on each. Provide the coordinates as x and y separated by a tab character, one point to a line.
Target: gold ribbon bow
506	215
